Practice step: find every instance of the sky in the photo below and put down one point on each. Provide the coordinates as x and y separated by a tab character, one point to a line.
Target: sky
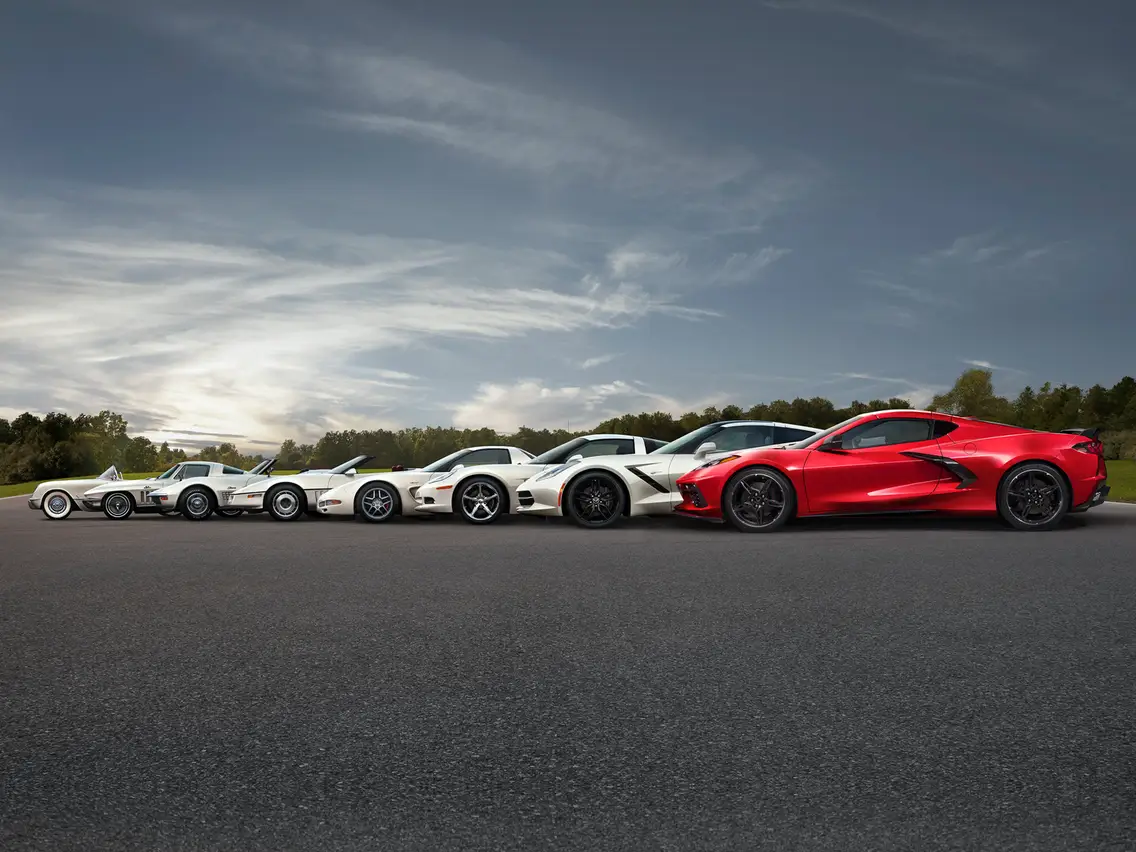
247	221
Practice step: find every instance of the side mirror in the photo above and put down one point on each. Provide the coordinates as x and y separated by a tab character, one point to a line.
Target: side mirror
457	467
705	449
576	457
350	472
832	445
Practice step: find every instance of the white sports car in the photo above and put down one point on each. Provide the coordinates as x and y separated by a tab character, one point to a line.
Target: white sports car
119	500
197	498
482	495
57	498
597	492
285	498
379	497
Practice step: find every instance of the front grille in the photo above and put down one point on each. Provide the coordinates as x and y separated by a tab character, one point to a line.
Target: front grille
429	501
525	498
693	495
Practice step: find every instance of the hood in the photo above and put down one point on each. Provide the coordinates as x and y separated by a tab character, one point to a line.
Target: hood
67	483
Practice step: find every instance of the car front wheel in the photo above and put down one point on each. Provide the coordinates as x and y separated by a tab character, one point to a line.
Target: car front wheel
285	503
56	505
197	503
118	506
481	500
758	499
594	500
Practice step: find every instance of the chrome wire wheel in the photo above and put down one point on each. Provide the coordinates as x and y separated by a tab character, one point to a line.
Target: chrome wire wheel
480	502
1035	497
57	505
595	501
117	506
376	503
758	499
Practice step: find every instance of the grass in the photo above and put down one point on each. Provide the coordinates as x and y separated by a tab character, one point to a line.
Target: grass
1121	476
28	487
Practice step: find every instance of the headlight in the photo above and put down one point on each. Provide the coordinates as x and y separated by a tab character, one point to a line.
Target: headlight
716	461
560	468
438	477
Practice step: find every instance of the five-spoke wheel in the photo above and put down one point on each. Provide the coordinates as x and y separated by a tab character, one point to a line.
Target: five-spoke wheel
481	500
118	506
376	502
1033	496
594	500
56	505
758	499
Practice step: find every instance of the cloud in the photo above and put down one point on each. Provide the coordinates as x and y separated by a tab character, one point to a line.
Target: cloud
263	328
597	361
529	402
918	393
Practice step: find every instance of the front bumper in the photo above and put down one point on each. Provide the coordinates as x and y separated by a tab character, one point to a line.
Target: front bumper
33	503
694	504
1099	495
244	502
335	506
434	501
538	500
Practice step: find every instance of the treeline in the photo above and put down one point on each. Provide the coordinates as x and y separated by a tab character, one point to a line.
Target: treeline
58	445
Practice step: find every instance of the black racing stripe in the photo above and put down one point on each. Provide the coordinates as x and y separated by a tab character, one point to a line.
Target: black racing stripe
964	474
634	468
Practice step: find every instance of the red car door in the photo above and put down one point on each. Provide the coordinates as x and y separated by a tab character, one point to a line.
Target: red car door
868	471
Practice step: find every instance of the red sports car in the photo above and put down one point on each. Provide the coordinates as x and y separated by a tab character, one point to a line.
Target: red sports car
905	461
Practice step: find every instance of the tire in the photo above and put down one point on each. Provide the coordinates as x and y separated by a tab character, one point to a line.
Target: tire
118	505
594	500
481	500
377	503
285	502
228	513
758	499
1033	497
197	503
56	505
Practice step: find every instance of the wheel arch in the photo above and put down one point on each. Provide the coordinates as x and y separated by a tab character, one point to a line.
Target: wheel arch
189	486
1035	460
613	473
276	486
363	486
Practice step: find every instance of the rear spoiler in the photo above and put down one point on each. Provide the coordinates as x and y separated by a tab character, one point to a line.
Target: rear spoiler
1092	434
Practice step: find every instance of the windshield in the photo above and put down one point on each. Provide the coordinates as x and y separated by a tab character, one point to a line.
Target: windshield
676	445
558	454
169	472
819	436
444	462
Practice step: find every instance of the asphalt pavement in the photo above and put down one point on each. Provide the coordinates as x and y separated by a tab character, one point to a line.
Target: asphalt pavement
666	685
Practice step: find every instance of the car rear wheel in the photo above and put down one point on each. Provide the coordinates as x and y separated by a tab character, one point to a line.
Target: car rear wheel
1033	496
118	505
376	502
758	499
285	503
56	505
594	500
197	503
481	500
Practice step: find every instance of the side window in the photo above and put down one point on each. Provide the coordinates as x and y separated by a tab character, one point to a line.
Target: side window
193	471
943	428
736	438
232	471
785	435
492	455
884	433
653	444
606	447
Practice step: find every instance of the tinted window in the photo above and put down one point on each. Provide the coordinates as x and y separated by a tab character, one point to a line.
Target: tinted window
653	444
884	433
494	455
943	428
735	438
559	454
689	442
192	471
606	447
785	435
232	471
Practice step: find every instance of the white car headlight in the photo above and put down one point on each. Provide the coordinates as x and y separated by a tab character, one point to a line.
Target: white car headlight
560	468
714	462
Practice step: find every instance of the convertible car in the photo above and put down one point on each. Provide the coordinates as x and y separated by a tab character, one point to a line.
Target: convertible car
598	492
483	494
905	461
286	498
57	498
378	497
